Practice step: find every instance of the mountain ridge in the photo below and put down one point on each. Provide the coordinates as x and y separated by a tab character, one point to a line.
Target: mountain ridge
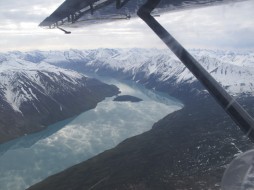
141	65
34	95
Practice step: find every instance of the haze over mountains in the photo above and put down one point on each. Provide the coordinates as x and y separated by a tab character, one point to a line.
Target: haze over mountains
188	149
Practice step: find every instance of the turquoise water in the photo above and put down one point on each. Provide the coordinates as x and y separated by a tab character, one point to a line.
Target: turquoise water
32	158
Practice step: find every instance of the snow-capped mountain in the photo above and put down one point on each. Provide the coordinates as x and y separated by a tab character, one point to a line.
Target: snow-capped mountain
232	69
33	85
34	94
161	66
34	89
23	81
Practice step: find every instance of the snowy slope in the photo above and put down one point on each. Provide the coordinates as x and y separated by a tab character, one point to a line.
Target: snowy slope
162	65
233	69
21	79
35	94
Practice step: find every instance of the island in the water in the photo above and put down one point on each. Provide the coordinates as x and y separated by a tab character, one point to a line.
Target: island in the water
125	98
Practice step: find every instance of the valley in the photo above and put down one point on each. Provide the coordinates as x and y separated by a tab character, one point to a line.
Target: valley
187	149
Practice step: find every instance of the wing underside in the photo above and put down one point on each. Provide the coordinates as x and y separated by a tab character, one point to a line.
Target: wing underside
77	13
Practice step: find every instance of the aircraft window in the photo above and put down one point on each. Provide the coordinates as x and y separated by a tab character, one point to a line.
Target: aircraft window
141	94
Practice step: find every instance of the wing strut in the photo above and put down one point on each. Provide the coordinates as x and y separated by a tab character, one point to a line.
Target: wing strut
65	31
235	111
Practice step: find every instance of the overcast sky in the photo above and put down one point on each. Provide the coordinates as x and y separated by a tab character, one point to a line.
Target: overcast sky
228	26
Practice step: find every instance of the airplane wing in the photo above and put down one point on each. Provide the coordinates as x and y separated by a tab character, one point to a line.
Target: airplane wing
77	13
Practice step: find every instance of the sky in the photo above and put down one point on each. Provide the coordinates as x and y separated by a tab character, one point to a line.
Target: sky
229	26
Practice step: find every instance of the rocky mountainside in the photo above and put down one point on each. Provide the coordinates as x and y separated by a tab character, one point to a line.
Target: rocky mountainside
35	94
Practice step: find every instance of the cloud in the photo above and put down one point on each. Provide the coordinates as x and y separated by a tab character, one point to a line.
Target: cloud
227	26
29	10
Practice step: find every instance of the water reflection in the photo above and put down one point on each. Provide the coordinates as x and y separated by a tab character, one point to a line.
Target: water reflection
32	158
